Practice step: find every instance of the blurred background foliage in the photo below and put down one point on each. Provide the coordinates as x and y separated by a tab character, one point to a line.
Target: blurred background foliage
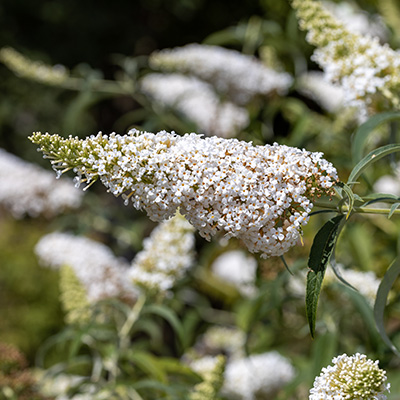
110	40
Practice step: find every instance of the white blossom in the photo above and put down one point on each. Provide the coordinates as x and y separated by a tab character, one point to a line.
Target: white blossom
28	189
351	377
239	76
237	268
367	71
257	376
259	194
198	102
166	255
100	272
225	339
357	20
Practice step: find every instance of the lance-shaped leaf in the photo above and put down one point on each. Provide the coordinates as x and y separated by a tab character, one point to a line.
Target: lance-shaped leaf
370	159
321	250
380	303
367	128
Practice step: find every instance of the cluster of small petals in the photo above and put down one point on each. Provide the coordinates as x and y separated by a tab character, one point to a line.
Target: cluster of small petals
366	70
167	254
259	194
257	376
198	102
351	378
237	268
35	70
314	85
100	272
234	74
26	189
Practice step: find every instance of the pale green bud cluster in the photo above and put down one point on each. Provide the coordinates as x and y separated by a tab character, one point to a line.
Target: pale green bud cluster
368	72
35	70
351	378
212	383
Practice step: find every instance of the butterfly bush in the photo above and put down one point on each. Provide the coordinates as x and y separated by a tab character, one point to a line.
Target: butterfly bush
367	71
257	376
197	101
100	272
26	189
240	77
351	377
237	268
259	194
166	255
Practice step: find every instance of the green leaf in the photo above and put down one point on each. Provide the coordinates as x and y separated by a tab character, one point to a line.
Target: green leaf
147	363
169	316
321	250
394	207
369	159
380	303
350	197
366	129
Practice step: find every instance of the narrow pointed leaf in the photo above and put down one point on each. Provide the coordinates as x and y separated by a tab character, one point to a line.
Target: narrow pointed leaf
370	159
321	250
394	207
380	303
366	129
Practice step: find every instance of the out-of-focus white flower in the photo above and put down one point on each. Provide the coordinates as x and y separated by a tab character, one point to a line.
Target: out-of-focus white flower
259	194
388	183
351	377
238	269
239	76
204	365
28	189
101	273
257	376
313	85
198	102
365	282
367	71
167	254
357	20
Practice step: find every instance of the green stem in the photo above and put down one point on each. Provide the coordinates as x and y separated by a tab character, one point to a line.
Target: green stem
344	209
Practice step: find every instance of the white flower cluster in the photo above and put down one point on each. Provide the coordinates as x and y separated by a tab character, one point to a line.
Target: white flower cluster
314	85
237	268
389	184
236	75
257	376
35	70
167	254
197	101
259	194
366	70
28	189
354	377
99	271
224	339
357	20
